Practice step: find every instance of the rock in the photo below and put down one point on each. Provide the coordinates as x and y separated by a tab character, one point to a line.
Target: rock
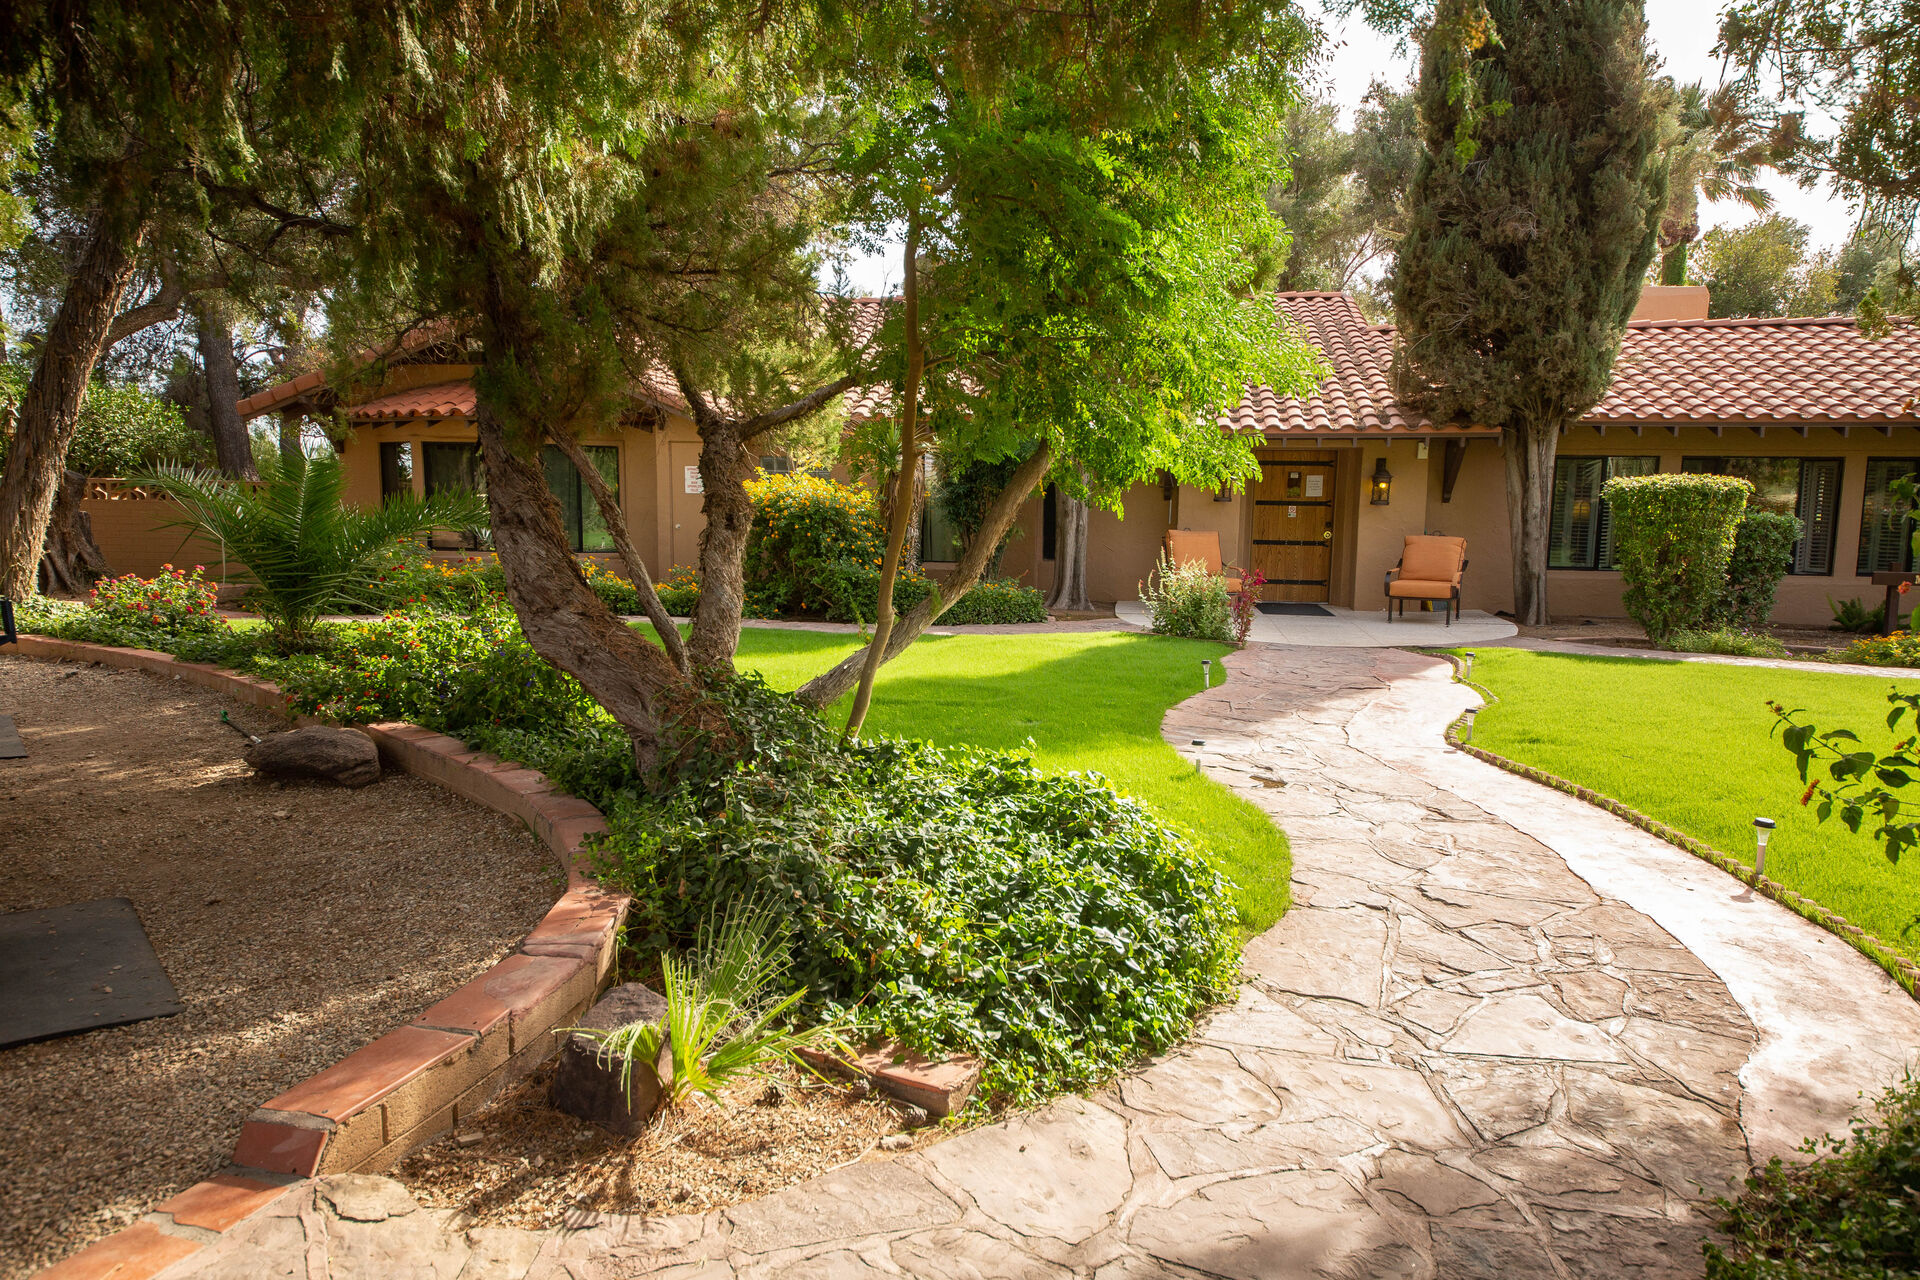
588	1086
896	1142
913	1117
331	755
362	1197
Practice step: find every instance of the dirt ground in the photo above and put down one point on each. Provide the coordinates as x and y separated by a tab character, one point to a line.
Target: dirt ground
520	1163
298	923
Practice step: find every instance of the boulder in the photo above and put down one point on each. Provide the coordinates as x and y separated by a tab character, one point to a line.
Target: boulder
588	1086
332	755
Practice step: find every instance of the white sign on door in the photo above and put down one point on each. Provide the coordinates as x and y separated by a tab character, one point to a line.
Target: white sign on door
1313	485
694	484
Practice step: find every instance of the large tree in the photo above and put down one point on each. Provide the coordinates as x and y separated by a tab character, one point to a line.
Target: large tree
1855	63
1716	147
1531	230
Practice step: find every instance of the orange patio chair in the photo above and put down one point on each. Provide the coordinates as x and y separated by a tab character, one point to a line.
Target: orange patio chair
1430	568
1190	546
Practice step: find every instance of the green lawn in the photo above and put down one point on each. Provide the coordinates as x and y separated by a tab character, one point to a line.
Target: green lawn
1689	743
1087	701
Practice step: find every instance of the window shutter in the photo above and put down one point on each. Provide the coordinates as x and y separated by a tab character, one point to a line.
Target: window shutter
1818	509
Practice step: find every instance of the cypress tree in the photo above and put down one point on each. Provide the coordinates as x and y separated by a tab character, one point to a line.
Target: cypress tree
1531	226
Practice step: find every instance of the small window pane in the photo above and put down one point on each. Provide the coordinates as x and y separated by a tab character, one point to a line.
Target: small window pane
454	467
1886	541
1581	533
396	469
1808	488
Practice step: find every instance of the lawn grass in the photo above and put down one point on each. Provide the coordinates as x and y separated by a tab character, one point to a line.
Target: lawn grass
1689	743
1090	701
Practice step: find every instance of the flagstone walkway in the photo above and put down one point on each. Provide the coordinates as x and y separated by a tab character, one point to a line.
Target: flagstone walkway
1501	1034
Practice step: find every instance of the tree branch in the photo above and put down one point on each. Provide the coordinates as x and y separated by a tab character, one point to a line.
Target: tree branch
803	407
616	522
830	686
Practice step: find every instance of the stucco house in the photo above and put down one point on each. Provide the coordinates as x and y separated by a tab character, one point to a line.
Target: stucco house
1820	417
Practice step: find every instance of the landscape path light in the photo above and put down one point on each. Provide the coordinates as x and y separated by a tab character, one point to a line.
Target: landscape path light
1762	828
1206	673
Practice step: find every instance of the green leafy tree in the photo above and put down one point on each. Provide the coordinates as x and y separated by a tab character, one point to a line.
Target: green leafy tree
305	550
1764	269
1716	148
1525	250
1856	63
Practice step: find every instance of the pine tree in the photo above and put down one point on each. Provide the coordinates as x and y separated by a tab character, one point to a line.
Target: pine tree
1529	236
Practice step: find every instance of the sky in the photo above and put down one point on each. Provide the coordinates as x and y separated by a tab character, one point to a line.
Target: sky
1683	33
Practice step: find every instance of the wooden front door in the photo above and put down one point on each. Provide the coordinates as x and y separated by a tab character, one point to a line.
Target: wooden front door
1293	526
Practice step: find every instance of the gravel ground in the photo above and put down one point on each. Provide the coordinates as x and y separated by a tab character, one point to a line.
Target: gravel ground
520	1163
297	923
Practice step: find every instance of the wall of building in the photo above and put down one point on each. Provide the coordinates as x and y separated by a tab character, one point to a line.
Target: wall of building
136	535
1478	512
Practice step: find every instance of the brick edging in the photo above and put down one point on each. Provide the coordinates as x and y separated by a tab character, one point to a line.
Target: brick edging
1901	969
369	1109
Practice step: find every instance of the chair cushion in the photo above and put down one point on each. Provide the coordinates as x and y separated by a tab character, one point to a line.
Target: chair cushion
1233	586
1184	546
1431	558
1420	589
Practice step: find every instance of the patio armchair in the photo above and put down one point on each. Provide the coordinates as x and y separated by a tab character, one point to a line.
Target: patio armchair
1430	568
1202	546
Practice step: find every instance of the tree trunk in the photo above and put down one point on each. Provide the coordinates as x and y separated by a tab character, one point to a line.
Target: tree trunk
50	410
291	449
232	448
1673	265
1529	456
907	481
1069	594
616	522
830	686
563	619
725	467
73	561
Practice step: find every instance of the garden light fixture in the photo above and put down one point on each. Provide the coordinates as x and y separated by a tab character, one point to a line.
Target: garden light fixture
1762	828
1197	742
1206	673
1382	483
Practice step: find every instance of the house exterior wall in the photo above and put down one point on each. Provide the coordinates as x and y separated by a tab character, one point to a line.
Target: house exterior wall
134	531
1478	511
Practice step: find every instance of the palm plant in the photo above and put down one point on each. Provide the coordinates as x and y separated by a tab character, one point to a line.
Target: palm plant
1717	146
722	1020
304	550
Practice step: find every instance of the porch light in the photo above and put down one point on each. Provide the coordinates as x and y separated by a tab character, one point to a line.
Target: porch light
1382	483
1762	828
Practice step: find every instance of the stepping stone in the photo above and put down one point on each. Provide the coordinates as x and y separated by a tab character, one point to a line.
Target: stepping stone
76	968
11	748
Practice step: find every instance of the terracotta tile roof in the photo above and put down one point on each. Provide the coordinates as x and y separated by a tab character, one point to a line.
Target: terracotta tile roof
1815	370
1818	370
437	400
315	380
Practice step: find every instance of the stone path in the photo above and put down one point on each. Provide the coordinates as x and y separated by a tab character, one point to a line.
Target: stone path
1456	1057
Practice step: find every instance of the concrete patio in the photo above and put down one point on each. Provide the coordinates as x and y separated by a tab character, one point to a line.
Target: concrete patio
1357	628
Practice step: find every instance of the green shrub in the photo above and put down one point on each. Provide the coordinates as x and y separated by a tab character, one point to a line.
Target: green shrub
814	550
415	578
1762	555
1852	615
1728	640
955	899
996	603
123	428
136	612
680	593
1186	600
618	594
1673	535
1901	649
1849	1213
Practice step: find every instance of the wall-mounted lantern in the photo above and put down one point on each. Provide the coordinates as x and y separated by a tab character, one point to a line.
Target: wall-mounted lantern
1382	483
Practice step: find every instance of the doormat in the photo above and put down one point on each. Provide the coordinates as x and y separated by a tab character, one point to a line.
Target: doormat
11	748
77	967
1296	609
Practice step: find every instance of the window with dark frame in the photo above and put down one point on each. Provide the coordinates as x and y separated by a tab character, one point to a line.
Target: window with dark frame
1049	522
454	467
579	513
1581	533
396	469
1808	488
1886	537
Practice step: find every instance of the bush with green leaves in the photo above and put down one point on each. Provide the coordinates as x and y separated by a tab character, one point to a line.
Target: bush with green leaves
1852	615
306	552
1673	535
141	613
123	428
1733	641
1901	649
1762	555
957	899
814	543
1186	600
996	602
680	593
1848	1212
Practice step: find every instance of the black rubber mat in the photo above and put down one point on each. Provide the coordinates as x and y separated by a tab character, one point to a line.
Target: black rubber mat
1296	609
78	967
